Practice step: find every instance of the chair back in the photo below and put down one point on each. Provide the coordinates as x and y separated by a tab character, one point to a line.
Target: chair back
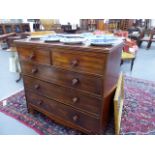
118	103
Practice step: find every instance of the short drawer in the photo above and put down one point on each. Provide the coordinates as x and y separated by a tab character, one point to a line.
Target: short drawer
38	55
74	98
85	82
63	112
79	61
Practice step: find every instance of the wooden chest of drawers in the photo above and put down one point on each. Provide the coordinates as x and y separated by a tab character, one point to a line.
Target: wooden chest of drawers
73	85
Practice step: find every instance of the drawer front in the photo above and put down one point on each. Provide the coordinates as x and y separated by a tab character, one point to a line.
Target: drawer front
68	96
66	78
38	55
63	112
79	61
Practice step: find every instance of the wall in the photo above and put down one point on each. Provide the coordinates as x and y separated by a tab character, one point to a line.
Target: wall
152	22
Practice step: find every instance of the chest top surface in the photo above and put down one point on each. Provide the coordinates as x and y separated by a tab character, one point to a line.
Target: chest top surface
59	45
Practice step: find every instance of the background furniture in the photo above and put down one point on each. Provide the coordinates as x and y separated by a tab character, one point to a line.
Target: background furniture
119	24
72	84
14	59
152	38
49	24
128	56
88	24
4	40
69	28
46	25
149	38
14	27
137	34
144	39
92	24
36	33
14	65
129	51
118	103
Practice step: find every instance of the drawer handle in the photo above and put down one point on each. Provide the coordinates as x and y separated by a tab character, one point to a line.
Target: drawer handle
36	86
75	118
75	99
32	56
74	63
40	102
75	81
34	70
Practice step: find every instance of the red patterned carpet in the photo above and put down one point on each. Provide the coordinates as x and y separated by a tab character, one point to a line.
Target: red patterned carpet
138	115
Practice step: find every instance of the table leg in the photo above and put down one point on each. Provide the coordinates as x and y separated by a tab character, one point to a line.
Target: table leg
149	44
132	63
20	77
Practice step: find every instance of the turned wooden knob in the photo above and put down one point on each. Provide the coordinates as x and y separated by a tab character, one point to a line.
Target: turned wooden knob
74	63
75	118
75	99
32	56
75	81
34	70
39	102
36	86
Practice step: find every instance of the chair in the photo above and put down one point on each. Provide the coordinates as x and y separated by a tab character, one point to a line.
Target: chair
118	103
129	51
137	33
152	39
128	56
149	39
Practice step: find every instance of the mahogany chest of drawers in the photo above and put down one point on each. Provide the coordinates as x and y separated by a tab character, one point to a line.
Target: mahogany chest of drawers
72	84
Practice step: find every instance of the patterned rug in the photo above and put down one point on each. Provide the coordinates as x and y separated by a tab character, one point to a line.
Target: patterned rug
138	115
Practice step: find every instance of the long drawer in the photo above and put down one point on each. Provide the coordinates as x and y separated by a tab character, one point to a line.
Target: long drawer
79	61
63	112
71	97
92	84
35	54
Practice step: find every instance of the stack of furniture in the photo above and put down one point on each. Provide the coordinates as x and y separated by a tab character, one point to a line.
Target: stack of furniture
14	27
120	24
91	24
50	24
113	25
88	24
72	84
125	24
101	25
